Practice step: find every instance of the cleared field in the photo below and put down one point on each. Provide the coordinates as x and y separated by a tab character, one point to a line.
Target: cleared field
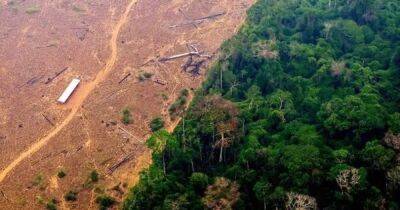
109	46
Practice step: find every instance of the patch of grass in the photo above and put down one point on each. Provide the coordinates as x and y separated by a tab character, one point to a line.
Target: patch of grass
32	9
71	196
61	173
38	181
94	176
185	92
78	9
99	190
164	96
126	116
156	124
147	75
105	201
144	76
88	184
52	204
52	43
21	201
40	199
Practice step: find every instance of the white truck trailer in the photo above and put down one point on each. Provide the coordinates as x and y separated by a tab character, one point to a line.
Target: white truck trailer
68	91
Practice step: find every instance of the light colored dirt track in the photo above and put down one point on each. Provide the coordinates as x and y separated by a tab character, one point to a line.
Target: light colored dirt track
79	98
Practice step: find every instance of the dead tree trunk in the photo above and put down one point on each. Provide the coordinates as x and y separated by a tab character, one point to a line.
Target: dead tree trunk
123	79
49	80
198	20
221	147
48	120
120	162
178	56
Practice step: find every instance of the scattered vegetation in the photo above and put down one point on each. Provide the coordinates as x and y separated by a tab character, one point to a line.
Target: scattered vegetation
78	9
40	199
71	196
32	9
301	112
61	173
156	124
178	106
99	190
94	176
105	201
22	201
51	204
92	179
164	96
39	181
185	92
144	76
126	116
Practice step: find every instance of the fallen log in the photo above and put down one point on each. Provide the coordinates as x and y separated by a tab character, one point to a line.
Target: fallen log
123	79
163	59
211	16
79	148
129	133
31	81
198	20
179	56
49	80
147	62
192	47
34	80
120	162
160	82
4	195
48	120
187	17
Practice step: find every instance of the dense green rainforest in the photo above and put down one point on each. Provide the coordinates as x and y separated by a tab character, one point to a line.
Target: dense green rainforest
302	110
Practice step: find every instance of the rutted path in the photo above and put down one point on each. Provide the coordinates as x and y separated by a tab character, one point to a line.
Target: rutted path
79	97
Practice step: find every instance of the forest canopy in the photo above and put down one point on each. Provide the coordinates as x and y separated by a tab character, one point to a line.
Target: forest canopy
301	110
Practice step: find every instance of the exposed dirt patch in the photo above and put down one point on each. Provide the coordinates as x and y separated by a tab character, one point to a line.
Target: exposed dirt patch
109	45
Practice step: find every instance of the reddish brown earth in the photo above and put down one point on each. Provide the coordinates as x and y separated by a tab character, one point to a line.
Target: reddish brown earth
100	43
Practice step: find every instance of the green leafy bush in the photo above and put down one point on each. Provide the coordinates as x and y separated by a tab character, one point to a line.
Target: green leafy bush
71	196
105	201
61	173
94	176
126	116
156	124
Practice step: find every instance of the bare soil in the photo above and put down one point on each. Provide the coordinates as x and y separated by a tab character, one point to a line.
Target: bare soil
100	42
